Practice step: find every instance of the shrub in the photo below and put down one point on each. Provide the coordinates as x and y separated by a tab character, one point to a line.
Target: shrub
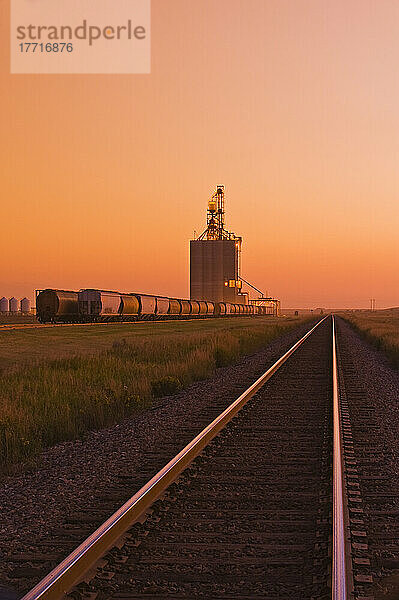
166	386
223	356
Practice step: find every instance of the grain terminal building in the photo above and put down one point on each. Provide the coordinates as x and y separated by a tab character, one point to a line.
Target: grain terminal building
215	258
215	262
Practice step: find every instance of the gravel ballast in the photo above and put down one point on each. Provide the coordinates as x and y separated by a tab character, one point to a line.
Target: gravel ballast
372	392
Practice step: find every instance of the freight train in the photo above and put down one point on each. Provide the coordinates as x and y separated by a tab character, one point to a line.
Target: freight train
96	306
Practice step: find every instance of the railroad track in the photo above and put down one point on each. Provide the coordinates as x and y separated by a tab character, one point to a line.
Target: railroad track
13	326
264	503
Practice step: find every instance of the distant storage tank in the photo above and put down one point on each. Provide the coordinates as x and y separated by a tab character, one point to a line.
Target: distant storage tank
13	305
25	305
4	305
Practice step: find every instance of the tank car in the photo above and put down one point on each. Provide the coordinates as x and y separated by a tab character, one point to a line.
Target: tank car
57	305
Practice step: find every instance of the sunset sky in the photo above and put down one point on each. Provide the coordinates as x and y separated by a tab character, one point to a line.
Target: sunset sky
293	105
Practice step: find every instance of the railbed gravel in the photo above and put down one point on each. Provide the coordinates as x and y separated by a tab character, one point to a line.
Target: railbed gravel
35	503
372	391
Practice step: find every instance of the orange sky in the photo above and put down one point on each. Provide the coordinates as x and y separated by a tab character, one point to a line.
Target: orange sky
293	105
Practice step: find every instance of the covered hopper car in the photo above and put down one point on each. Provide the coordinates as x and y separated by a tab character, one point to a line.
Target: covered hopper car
95	306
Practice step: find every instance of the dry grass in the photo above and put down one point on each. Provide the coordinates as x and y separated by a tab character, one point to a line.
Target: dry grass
18	319
30	346
380	328
60	399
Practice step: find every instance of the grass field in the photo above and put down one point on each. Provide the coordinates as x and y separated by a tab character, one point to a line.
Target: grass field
20	319
29	347
58	383
380	328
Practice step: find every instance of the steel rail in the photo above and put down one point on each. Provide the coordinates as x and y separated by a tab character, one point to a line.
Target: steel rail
71	570
339	574
14	326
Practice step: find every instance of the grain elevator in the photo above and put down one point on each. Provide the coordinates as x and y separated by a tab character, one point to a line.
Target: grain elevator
215	258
